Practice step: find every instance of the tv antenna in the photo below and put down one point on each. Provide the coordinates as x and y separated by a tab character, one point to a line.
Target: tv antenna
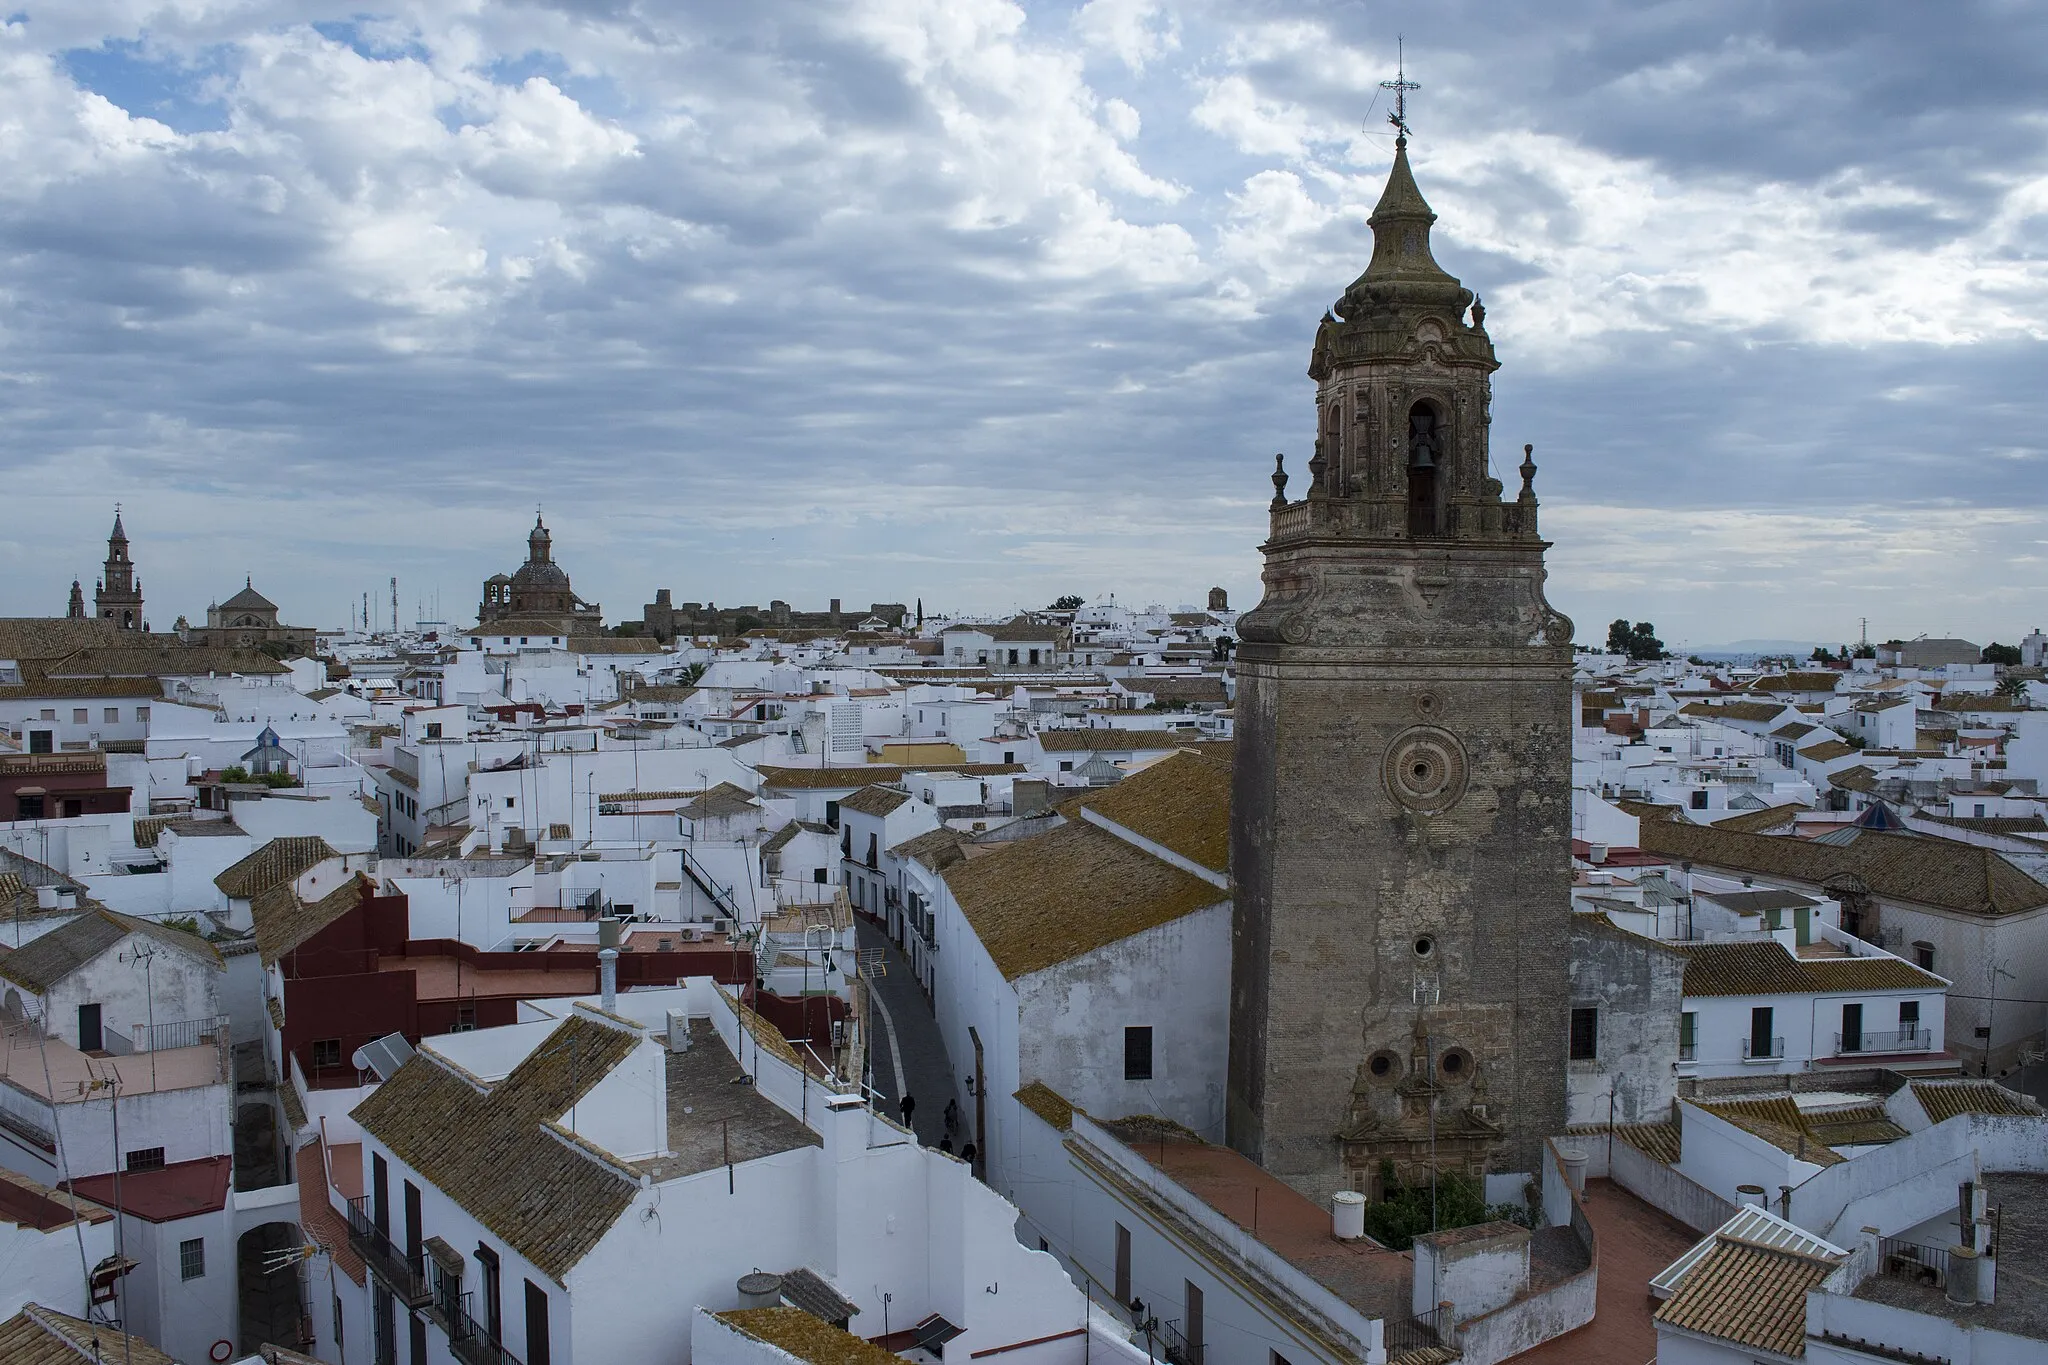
1400	85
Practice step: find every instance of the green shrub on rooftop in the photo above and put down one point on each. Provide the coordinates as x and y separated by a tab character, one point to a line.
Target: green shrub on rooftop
1404	1214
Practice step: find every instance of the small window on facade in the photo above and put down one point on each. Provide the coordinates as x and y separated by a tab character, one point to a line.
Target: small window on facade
112	716
49	713
1138	1053
1699	800
1066	765
1585	1033
818	875
142	713
1923	956
1009	755
832	814
433	729
327	1052
508	803
79	714
146	1159
192	1259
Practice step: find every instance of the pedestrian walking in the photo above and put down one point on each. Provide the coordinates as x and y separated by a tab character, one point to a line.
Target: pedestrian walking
906	1107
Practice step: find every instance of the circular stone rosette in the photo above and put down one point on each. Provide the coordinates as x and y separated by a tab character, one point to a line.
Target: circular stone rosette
1425	769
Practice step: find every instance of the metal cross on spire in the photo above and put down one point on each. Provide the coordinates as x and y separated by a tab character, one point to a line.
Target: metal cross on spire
1400	85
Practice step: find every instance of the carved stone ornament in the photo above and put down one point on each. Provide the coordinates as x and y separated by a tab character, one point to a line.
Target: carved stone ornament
1425	769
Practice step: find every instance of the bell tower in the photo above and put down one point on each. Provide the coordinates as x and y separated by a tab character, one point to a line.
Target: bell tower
1402	808
119	595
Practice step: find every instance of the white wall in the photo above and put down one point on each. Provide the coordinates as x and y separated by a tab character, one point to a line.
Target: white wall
176	985
43	1267
1174	978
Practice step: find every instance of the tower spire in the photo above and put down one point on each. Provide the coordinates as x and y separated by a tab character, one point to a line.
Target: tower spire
1400	85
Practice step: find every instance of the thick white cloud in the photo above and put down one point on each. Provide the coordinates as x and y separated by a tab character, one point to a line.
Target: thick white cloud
986	302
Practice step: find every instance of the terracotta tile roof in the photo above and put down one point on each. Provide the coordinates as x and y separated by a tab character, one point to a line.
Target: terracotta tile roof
1105	741
1042	1100
48	958
1764	967
317	1214
1777	1120
495	1154
52	637
280	860
1752	1295
874	800
725	799
294	1107
1936	872
1755	712
1827	751
1046	900
1181	802
854	778
174	661
31	1204
937	849
810	1339
1759	821
41	1336
284	919
1658	1141
781	838
1858	1127
1945	1099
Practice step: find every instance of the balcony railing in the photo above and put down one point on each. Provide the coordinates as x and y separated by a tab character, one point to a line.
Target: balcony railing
1412	1334
1886	1040
1912	1261
468	1338
1179	1350
407	1275
1763	1049
183	1033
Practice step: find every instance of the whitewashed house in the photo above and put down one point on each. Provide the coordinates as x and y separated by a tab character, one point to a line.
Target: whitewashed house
544	1190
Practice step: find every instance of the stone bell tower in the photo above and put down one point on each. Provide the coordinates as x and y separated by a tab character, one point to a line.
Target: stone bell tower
118	597
1402	812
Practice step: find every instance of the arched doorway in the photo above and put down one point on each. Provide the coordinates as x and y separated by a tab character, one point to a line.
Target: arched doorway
272	1284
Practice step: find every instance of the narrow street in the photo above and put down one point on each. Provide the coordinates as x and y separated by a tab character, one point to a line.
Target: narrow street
905	1051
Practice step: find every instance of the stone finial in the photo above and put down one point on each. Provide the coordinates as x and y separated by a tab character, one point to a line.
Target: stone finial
1478	313
1318	471
1528	472
1279	482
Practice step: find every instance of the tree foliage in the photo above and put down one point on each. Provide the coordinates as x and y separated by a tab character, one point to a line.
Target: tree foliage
1995	653
1404	1214
1071	602
1638	641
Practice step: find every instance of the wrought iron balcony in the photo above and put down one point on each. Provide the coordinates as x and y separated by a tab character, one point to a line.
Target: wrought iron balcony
1179	1350
471	1342
1905	1039
407	1275
1763	1049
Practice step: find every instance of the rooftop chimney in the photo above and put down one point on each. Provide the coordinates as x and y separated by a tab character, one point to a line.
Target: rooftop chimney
608	961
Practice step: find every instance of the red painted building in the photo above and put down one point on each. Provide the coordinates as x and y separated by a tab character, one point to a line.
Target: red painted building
359	978
57	786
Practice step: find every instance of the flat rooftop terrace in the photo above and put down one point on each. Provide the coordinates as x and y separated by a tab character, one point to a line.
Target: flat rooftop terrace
72	1073
2022	1306
712	1120
1366	1275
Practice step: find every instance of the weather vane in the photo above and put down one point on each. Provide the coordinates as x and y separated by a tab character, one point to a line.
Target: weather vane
1400	85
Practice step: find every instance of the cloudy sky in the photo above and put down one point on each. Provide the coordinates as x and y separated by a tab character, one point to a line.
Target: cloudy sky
985	302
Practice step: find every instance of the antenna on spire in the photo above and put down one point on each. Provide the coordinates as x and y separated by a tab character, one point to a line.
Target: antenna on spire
1400	85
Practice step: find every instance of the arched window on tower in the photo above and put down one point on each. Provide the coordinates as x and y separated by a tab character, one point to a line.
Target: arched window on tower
1425	470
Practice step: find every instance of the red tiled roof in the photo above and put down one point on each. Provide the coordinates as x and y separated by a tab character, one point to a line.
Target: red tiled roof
179	1190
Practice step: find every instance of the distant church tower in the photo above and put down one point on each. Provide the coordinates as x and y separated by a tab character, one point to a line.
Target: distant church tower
1402	810
119	596
76	610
